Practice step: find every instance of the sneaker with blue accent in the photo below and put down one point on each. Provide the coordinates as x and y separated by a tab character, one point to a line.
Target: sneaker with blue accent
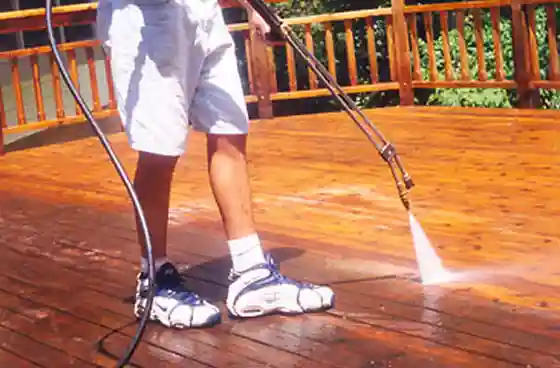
174	305
263	290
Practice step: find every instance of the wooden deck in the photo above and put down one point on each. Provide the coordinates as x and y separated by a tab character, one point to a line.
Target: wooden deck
487	196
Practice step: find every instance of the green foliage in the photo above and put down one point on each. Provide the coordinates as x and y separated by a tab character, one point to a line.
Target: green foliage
485	97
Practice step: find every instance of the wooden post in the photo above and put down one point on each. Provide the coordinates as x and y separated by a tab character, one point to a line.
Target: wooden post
2	121
261	69
402	51
527	97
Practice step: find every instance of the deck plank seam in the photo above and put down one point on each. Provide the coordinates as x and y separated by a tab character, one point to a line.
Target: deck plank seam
21	357
40	342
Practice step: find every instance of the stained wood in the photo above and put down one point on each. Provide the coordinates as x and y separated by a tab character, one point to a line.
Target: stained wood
109	77
56	81
533	47
443	16
479	40
3	123
309	44
495	18
16	84
350	52
527	96
12	360
486	197
458	5
554	62
329	45
93	78
464	62
68	15
37	89
73	70
402	53
428	24
393	66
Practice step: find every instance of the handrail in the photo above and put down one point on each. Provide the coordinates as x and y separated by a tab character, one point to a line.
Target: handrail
416	54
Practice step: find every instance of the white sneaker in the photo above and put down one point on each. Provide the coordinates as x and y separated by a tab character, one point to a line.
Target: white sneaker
174	305
264	290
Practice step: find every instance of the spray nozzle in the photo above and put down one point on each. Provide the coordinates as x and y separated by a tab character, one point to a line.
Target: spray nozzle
389	154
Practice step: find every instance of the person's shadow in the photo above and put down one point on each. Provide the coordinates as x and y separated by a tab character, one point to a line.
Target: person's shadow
210	279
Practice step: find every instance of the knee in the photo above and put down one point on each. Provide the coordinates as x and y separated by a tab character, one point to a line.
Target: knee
234	146
155	166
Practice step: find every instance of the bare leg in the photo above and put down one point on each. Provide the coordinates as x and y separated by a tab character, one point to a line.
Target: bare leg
229	179
152	182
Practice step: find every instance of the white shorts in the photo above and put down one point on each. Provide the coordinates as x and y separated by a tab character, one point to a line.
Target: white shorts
173	65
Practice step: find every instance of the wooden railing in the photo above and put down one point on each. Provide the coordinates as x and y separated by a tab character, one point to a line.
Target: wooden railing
402	49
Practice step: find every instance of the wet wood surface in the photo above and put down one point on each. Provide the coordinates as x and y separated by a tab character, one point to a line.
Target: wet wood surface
486	196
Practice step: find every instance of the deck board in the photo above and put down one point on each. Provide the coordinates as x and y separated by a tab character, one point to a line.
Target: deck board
486	195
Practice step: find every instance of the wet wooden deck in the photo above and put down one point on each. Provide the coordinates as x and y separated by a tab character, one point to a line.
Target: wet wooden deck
487	197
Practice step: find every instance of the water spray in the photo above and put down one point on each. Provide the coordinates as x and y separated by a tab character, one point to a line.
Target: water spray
282	32
128	184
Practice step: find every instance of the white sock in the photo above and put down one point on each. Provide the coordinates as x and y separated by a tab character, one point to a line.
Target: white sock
246	252
158	263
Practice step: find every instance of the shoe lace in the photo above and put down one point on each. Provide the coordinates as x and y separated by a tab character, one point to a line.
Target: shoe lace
171	281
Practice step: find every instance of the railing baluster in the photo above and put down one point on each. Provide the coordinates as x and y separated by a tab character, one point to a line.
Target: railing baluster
350	52
495	16
291	67
37	89
271	60
329	43
430	42
249	57
16	83
93	79
71	54
372	53
463	56
310	46
533	46
479	38
55	73
445	38
413	29
554	68
109	77
391	48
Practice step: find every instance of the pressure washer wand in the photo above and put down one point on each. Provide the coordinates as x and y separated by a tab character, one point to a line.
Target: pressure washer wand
281	31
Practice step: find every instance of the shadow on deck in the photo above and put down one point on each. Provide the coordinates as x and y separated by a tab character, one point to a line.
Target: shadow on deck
486	195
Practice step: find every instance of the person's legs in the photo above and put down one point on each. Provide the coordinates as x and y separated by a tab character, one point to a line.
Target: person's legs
229	178
152	183
219	108
148	43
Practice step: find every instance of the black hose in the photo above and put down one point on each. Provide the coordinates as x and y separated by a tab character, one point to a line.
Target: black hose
129	187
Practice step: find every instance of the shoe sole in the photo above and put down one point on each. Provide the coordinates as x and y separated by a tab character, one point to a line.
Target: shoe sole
212	321
253	311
